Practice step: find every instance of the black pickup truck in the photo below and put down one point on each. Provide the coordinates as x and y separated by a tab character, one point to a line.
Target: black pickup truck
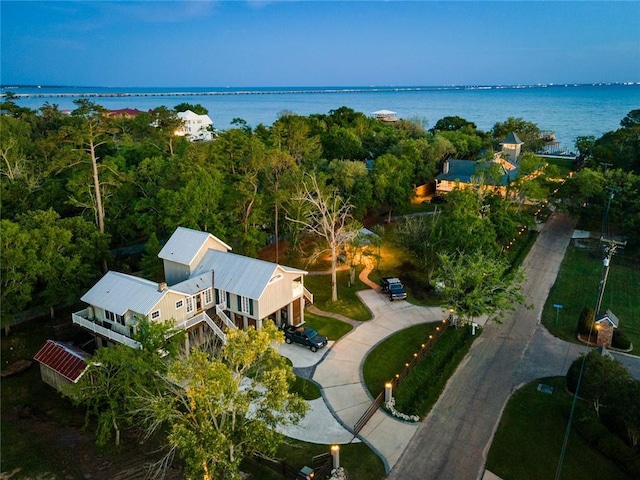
393	287
304	336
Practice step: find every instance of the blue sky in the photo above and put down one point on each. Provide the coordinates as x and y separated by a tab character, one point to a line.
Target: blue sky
322	43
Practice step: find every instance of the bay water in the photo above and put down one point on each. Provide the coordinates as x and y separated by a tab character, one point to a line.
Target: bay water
568	110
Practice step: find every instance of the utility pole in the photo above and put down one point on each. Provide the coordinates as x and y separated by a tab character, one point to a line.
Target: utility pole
609	251
605	218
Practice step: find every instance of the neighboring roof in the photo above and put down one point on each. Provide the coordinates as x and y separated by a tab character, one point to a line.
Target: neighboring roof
65	359
184	245
464	170
384	112
459	170
189	115
608	316
118	293
238	274
125	112
512	139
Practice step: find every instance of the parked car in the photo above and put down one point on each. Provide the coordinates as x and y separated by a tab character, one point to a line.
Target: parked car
304	336
393	287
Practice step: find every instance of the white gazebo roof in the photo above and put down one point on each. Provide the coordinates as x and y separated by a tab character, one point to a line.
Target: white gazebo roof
384	112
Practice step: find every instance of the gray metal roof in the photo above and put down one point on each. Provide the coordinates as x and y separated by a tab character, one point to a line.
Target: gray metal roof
608	316
195	284
118	293
238	274
184	245
512	139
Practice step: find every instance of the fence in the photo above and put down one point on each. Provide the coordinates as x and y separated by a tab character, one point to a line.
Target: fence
395	382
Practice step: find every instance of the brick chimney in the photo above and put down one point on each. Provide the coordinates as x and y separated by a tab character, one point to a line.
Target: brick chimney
162	286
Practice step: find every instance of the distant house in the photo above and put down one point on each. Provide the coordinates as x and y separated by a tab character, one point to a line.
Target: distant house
385	115
195	127
458	173
124	113
606	322
207	289
61	364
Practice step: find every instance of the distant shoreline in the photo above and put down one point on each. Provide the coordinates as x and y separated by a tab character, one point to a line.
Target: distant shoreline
204	91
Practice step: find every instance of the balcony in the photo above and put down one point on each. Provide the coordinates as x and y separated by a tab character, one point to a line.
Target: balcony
82	319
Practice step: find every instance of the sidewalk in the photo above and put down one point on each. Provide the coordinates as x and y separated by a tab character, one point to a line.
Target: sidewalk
338	372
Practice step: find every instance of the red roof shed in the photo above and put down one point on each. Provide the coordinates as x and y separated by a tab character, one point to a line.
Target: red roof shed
61	363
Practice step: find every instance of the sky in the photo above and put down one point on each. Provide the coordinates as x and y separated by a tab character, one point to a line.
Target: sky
317	43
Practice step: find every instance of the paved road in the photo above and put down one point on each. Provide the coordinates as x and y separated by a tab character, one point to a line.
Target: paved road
453	441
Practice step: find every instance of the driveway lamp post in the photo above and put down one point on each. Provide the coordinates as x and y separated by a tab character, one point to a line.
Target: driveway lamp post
557	306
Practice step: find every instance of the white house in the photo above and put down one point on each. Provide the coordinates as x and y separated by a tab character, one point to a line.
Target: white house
207	289
194	126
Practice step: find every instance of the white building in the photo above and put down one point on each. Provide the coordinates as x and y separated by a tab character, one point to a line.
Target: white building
195	127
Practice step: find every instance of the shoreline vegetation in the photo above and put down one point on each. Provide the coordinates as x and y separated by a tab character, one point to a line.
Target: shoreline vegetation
208	91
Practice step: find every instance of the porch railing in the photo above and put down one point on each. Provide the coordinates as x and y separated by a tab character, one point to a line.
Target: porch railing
81	318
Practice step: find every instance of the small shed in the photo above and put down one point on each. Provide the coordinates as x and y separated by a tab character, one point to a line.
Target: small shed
61	363
606	322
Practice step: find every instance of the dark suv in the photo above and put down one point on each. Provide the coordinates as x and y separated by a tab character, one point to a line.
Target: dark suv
304	336
393	287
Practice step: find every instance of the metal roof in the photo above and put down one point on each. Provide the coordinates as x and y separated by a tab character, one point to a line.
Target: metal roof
464	170
238	274
118	293
609	317
194	284
184	245
512	139
65	359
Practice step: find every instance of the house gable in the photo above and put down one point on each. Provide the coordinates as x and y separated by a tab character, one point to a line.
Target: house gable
184	249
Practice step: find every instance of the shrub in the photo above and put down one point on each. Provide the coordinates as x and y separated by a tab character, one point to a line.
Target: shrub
591	429
585	322
620	340
614	448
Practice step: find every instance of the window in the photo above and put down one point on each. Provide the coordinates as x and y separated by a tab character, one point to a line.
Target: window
114	317
207	296
155	315
245	305
275	278
189	304
179	304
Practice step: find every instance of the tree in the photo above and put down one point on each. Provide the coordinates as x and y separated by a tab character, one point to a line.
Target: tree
453	123
423	236
528	132
391	178
328	217
278	163
220	409
117	375
197	108
631	120
91	132
602	379
475	284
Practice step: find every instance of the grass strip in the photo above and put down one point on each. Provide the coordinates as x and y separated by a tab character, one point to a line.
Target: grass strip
529	439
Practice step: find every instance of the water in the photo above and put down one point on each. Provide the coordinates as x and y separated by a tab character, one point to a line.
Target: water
568	110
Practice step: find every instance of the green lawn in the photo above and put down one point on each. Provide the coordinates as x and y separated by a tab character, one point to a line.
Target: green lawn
329	327
359	461
528	442
577	287
348	303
